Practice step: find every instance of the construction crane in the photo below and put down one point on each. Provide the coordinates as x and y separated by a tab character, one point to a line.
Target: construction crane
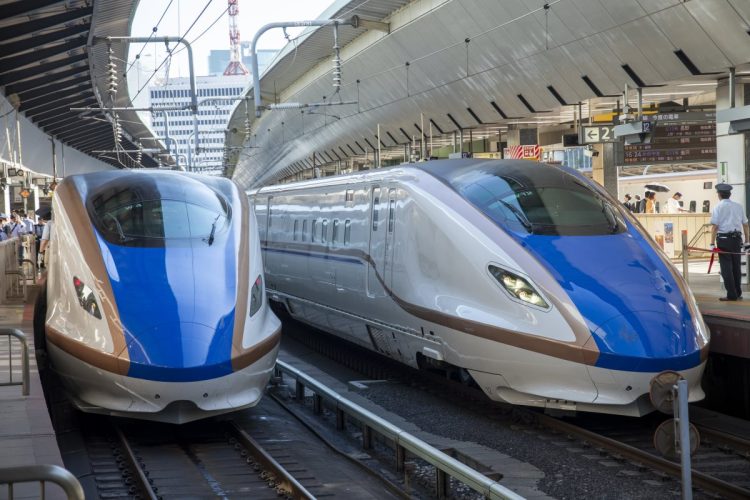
235	66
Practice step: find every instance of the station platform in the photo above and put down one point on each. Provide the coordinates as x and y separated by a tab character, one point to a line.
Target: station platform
26	433
729	322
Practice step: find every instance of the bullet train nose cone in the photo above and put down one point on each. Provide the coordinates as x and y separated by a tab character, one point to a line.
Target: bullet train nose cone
628	342
180	352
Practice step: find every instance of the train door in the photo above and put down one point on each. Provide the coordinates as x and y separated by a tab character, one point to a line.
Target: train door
377	242
269	257
390	238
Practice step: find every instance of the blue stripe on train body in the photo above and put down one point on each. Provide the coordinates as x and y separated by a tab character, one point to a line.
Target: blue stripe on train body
176	302
633	307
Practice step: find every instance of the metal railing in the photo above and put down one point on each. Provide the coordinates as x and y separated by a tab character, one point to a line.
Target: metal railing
42	474
10	333
445	465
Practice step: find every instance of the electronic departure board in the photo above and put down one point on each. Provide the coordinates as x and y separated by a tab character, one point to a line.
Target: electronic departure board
675	140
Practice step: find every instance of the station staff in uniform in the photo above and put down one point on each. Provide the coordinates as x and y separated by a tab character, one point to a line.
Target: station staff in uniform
729	222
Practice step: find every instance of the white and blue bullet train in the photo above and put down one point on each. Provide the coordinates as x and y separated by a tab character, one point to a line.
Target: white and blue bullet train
154	305
527	277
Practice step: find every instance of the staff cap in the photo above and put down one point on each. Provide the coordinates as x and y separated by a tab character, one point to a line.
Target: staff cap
724	187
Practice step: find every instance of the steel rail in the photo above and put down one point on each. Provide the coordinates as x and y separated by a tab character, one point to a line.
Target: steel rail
717	436
140	476
673	469
269	464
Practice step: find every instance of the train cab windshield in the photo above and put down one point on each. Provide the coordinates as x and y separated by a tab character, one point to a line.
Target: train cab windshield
146	216
536	199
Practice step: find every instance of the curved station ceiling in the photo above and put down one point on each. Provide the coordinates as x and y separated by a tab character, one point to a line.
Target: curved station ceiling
51	61
462	64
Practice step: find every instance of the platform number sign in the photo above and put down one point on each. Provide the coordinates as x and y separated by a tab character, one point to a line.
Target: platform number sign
598	134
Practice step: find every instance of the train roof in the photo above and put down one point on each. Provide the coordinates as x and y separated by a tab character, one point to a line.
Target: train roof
447	171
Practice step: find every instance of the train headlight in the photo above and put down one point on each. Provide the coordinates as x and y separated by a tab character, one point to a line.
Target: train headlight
518	287
256	295
86	298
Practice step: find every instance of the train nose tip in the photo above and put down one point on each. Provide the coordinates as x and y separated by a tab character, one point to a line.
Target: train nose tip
649	341
180	352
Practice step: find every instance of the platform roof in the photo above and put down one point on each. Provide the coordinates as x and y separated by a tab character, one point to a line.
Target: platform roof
46	68
468	63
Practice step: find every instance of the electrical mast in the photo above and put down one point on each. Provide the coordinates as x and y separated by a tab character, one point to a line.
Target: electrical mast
235	66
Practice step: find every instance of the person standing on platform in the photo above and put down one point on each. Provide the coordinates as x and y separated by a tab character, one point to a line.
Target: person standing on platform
44	243
17	227
673	204
650	205
729	227
628	204
637	204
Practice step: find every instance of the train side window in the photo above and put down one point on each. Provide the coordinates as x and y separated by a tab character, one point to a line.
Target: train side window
335	235
391	215
375	207
347	231
294	234
304	230
313	236
324	231
349	195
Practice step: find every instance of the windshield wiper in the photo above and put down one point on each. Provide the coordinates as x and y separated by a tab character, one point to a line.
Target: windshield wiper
120	232
210	239
519	215
611	217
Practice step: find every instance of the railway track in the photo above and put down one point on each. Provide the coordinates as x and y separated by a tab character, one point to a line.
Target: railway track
721	466
205	462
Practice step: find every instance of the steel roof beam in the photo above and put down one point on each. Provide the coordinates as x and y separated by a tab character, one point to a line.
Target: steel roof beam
25	74
70	128
97	141
24	6
83	134
58	124
51	125
35	25
53	104
43	119
25	44
72	85
18	88
16	62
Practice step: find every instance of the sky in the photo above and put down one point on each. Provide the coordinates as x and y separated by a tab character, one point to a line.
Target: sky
180	14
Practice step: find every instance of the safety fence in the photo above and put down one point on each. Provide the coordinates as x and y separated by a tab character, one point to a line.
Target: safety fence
17	347
403	442
17	268
42	474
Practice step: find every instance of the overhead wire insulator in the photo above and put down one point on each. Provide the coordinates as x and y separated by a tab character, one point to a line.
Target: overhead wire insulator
336	59
111	73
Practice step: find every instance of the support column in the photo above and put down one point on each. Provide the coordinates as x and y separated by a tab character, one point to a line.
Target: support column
731	157
605	167
35	194
6	200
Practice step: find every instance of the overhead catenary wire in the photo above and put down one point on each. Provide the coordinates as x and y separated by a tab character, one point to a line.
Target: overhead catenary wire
170	52
153	31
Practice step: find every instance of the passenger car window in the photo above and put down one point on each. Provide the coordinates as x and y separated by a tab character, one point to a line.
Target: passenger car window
335	235
347	231
324	231
294	234
304	230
